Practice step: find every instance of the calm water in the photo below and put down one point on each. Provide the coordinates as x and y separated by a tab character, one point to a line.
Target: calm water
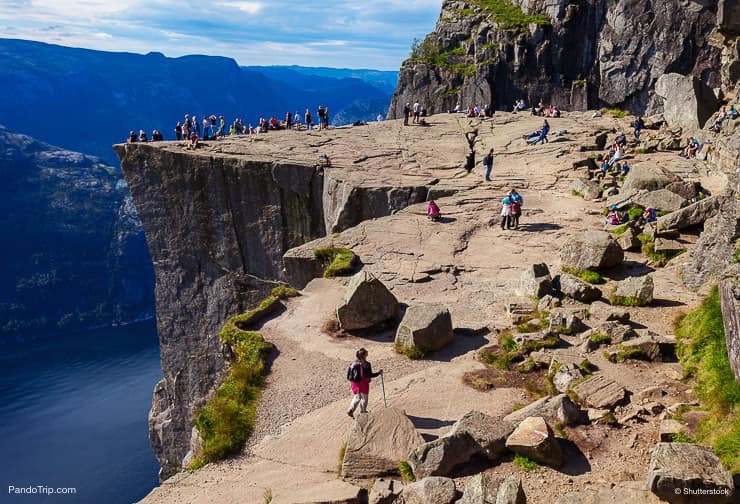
73	413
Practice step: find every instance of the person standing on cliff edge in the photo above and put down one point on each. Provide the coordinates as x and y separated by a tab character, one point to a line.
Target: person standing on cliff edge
360	373
488	164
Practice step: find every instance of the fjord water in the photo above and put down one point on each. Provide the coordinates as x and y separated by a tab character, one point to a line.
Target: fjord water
73	413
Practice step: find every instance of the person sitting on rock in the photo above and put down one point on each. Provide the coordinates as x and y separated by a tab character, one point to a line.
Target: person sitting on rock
142	136
618	154
613	218
157	136
519	105
542	136
691	148
555	112
132	138
360	374
732	114
649	215
433	211
625	169
193	143
717	124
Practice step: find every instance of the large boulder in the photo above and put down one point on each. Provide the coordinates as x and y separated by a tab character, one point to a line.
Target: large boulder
535	281
367	303
474	434
377	442
629	241
577	289
427	327
684	473
591	250
687	101
648	177
606	312
557	409
661	199
617	332
692	215
487	488
634	291
588	189
429	490
600	392
534	439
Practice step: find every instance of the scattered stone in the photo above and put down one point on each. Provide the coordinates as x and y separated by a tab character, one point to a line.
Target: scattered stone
333	491
661	199
684	188
687	101
588	189
486	488
547	302
523	339
536	281
668	246
377	442
591	250
648	347
685	473
565	375
634	291
629	241
367	303
577	289
533	438
385	491
669	429
519	309
474	434
596	415
601	392
565	324
649	394
431	489
616	331
557	409
602	311
427	327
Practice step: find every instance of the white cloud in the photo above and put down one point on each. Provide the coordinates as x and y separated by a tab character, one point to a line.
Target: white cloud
248	7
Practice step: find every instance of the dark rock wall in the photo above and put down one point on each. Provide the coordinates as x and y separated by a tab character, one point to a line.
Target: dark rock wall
217	228
616	49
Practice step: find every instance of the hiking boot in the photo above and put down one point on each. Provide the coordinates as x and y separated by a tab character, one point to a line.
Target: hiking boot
350	414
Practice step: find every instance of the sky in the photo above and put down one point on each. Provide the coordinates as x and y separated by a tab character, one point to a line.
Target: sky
349	34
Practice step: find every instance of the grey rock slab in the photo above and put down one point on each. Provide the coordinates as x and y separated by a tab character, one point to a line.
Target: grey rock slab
668	246
606	312
647	177
591	250
487	488
688	102
426	326
685	473
367	303
639	289
385	491
536	281
616	331
692	215
600	392
557	409
588	189
621	492
577	289
669	429
534	439
377	442
565	375
433	489
661	199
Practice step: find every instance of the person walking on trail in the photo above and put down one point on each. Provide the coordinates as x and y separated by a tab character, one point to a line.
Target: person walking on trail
406	114
637	126
488	164
360	373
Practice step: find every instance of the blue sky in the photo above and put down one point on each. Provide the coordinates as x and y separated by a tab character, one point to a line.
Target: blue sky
353	34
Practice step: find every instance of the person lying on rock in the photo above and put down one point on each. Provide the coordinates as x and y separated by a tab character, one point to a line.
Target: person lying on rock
542	135
360	374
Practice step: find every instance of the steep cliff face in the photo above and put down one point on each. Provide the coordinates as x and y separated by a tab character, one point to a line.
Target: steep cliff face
217	227
573	53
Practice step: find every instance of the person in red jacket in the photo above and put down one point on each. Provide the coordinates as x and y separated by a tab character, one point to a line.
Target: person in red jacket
360	374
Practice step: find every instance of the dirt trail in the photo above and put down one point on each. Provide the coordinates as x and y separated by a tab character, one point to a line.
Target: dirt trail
474	269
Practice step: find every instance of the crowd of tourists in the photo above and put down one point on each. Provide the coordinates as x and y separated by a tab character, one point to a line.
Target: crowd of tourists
212	127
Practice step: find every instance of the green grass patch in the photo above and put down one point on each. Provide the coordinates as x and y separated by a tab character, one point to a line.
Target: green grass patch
526	464
527	366
600	338
404	469
411	351
510	16
562	329
336	260
702	351
284	292
508	343
586	275
736	255
577	193
619	231
634	212
658	259
586	367
227	421
517	406
617	114
625	353
533	346
682	437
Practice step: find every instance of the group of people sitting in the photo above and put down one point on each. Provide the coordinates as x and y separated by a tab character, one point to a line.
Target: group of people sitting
609	159
141	137
539	110
615	217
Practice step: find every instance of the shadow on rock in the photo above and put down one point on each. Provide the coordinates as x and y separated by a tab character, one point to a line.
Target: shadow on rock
460	346
628	269
429	423
538	226
576	462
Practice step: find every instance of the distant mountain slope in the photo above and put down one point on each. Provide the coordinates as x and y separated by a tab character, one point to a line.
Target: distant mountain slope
73	253
385	80
86	100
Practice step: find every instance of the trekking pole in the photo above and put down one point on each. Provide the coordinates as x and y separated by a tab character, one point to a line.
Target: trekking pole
382	385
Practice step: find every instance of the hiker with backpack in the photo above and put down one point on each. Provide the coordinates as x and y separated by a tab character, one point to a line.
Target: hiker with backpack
360	374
